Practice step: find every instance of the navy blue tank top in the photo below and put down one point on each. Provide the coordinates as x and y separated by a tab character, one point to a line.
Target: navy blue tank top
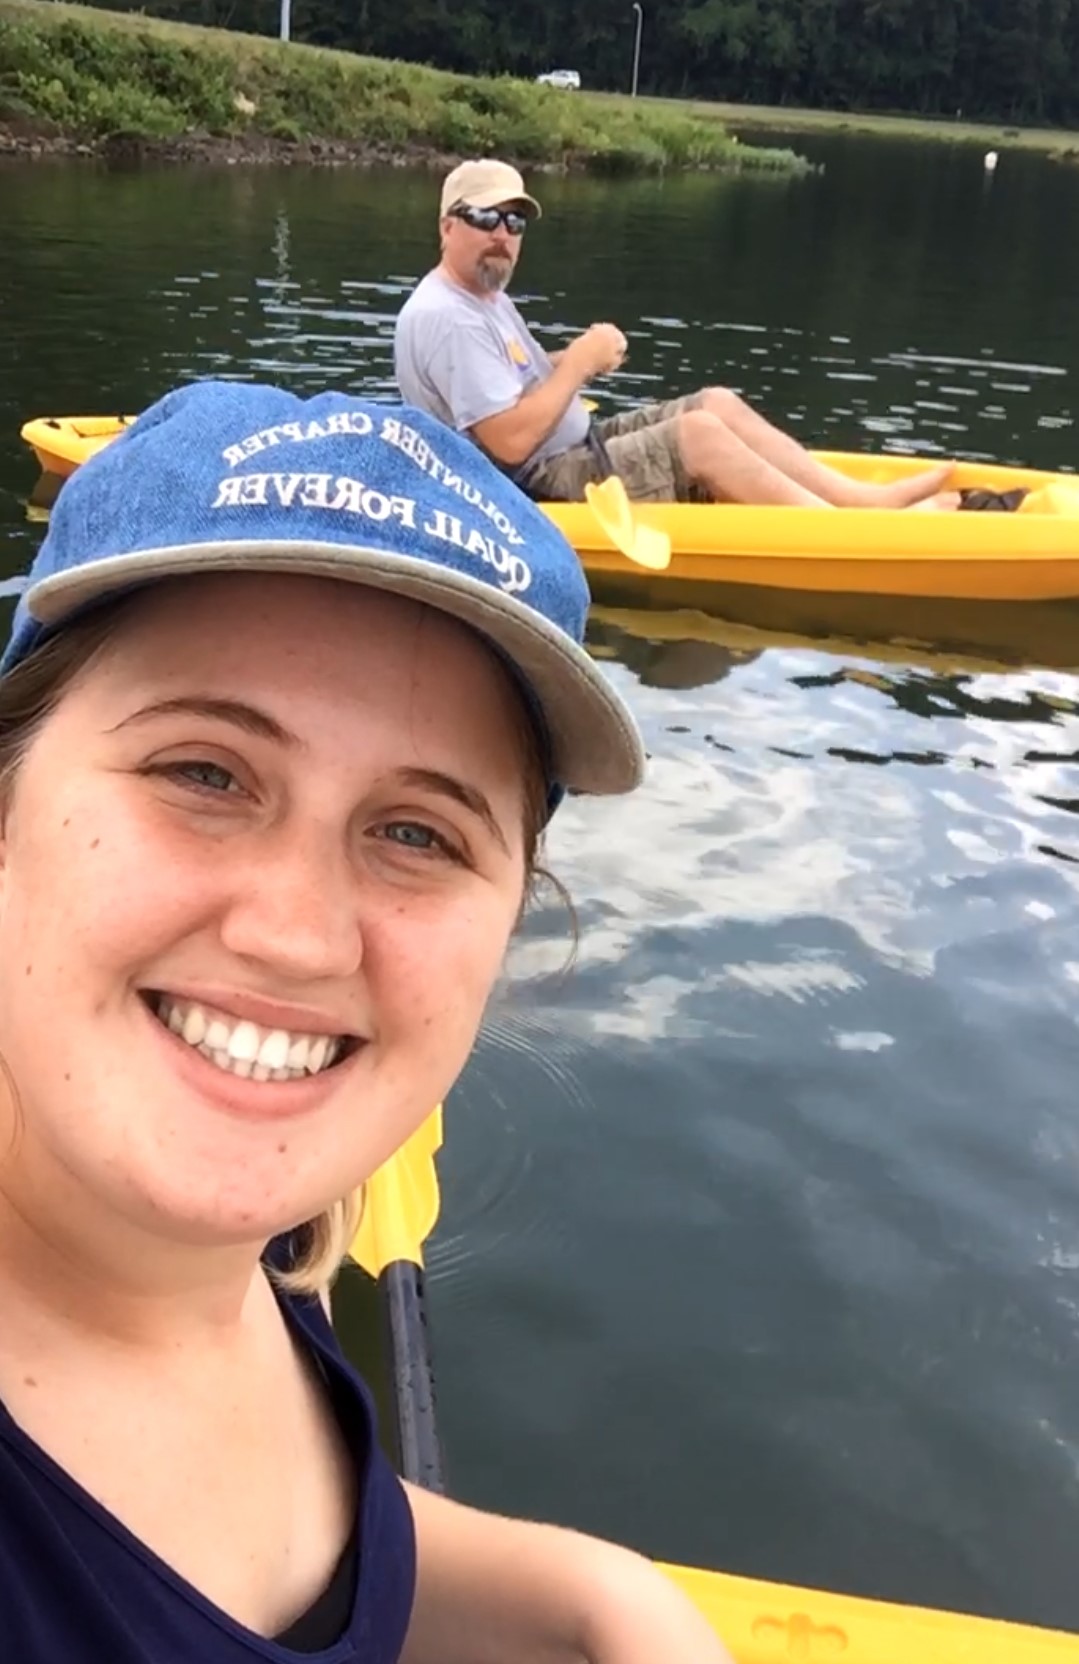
76	1587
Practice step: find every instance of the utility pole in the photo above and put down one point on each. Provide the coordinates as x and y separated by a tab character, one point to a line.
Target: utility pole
286	19
636	45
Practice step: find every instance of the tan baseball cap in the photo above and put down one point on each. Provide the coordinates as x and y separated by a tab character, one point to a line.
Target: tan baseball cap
485	184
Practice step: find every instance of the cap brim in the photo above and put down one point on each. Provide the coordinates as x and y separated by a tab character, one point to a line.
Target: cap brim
595	743
497	199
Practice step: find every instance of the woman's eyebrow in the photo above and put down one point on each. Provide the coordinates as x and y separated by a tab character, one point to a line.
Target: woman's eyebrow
470	797
241	715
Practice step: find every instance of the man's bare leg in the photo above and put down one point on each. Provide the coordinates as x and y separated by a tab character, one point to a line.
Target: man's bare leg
793	460
730	471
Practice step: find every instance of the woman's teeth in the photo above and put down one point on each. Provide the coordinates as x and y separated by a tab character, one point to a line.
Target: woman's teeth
242	1048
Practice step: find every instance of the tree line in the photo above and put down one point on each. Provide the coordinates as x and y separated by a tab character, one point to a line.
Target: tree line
1002	60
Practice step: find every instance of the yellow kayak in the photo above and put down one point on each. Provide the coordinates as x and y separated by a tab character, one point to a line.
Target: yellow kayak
1032	555
61	443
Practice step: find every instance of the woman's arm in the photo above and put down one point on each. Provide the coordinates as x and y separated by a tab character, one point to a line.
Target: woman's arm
499	1591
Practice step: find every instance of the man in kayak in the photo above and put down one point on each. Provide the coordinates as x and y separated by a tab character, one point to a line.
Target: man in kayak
464	354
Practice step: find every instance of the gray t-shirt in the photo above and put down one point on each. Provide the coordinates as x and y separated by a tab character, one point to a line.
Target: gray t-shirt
463	357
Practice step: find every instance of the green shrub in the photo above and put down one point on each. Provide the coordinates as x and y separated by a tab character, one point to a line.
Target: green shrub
387	123
283	127
127	109
479	96
198	82
618	160
460	131
47	97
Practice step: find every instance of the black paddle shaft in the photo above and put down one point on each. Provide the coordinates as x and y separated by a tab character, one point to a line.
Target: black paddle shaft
600	453
419	1453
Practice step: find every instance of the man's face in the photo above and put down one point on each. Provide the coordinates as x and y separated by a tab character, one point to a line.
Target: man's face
481	246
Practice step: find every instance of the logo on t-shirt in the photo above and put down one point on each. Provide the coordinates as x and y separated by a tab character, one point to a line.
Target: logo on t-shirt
517	354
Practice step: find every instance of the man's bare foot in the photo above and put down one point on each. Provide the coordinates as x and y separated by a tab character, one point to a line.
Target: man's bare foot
903	493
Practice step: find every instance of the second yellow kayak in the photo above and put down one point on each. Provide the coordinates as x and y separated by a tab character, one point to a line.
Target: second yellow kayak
1032	555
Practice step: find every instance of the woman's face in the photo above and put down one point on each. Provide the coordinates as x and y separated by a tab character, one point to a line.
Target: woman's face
257	876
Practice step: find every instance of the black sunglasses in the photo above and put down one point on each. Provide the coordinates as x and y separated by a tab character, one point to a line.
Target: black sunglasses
489	219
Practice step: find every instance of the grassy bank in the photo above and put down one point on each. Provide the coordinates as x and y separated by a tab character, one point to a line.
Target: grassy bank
92	79
750	118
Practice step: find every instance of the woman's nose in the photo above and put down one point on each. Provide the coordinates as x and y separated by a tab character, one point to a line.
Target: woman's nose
296	908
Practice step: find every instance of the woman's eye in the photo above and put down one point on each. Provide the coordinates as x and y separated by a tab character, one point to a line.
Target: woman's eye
211	777
412	834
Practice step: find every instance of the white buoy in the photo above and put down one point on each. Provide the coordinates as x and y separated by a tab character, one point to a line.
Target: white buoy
991	160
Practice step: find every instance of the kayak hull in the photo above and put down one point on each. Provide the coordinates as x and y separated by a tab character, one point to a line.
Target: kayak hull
1047	576
946	556
764	1623
949	556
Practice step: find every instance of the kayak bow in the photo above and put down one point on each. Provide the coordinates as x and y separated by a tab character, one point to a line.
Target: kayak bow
62	443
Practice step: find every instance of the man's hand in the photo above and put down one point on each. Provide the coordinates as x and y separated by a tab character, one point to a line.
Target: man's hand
599	350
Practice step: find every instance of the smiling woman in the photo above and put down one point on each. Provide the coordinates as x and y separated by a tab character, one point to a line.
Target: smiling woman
275	762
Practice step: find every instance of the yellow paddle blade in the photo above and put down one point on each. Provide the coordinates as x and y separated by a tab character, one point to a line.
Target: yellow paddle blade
644	545
401	1202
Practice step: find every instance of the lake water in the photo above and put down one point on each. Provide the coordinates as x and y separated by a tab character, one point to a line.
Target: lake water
760	1241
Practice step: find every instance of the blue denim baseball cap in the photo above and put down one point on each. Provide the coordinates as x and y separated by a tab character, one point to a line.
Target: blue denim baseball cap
235	476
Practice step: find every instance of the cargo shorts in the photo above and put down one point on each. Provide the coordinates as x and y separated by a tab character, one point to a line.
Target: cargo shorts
643	447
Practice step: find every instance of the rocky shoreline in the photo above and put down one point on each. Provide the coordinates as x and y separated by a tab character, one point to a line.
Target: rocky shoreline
39	141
